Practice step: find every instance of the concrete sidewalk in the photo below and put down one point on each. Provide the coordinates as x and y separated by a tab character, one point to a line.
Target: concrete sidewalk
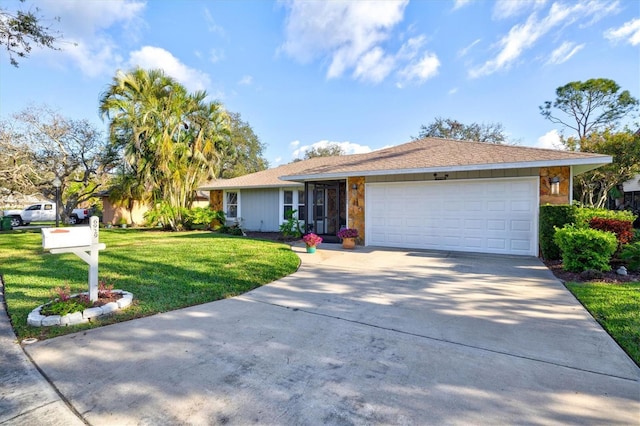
26	398
368	336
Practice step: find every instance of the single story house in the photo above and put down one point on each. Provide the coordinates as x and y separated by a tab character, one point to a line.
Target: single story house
431	193
631	194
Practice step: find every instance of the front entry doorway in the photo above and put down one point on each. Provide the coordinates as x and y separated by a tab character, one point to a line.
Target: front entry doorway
327	211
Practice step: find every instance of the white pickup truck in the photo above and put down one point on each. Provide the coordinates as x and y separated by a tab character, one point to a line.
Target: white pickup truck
43	212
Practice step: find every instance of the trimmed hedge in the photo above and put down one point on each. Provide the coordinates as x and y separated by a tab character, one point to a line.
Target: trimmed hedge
585	214
585	249
552	217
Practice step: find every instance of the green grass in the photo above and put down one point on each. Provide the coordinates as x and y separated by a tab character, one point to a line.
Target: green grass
164	271
617	308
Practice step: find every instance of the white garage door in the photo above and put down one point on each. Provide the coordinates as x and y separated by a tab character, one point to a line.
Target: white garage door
486	216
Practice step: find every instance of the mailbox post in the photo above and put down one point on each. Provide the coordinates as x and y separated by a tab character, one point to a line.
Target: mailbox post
81	241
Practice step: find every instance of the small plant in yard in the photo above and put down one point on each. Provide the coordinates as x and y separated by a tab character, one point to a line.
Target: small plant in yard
347	233
291	228
312	240
63	303
631	255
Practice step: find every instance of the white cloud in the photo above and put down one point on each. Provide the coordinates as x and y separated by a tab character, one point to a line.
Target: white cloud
246	80
564	52
453	91
457	4
294	144
81	20
374	66
212	26
418	66
84	28
463	52
420	70
348	33
347	147
523	36
216	55
550	140
629	32
504	9
150	57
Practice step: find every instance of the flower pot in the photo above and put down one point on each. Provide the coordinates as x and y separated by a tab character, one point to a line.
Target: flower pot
311	249
349	243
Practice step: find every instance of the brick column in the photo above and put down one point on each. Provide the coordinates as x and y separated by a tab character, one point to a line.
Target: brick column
546	174
215	199
355	206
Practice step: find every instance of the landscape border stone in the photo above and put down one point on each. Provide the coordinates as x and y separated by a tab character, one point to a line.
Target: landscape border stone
36	319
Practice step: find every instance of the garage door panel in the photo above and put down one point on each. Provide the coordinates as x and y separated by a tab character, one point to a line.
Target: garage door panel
494	216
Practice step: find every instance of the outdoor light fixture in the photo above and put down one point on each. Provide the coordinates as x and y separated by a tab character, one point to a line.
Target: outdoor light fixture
56	184
555	185
354	186
436	177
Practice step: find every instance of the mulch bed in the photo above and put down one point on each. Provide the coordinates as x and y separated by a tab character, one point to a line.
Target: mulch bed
590	276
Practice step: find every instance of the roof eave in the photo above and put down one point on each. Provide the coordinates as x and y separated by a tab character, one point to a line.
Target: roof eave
284	184
587	163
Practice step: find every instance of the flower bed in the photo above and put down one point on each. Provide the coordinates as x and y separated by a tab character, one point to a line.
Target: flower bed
36	319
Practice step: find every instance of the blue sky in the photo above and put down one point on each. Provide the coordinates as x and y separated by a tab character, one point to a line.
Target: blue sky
363	74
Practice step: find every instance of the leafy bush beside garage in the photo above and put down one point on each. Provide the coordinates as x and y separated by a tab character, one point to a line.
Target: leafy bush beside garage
552	217
585	249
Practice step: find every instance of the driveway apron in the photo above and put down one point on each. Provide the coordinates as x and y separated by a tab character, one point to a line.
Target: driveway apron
371	336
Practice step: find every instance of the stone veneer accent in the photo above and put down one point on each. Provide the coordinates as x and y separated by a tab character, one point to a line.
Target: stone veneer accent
215	199
355	206
38	320
546	173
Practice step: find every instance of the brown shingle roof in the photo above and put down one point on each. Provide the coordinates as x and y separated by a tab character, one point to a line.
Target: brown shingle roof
424	155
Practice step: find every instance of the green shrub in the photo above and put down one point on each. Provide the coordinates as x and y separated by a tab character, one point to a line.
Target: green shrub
585	248
552	217
631	255
291	228
204	216
583	215
231	230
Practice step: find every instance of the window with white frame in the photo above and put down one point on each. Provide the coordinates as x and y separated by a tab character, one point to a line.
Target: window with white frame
232	205
301	206
292	200
287	203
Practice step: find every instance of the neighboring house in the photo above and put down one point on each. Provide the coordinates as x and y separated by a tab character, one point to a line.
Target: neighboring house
631	190
428	194
114	215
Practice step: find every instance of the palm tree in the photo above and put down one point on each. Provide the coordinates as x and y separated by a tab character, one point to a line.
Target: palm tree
169	139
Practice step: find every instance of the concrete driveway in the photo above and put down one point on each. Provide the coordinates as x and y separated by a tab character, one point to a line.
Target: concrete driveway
359	337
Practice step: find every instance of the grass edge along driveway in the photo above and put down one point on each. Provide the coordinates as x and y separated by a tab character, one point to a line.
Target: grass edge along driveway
616	307
164	270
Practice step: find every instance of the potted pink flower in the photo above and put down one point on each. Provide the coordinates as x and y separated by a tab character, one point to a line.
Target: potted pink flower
348	237
311	240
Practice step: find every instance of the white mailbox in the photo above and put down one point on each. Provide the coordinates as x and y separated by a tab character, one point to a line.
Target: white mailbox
53	238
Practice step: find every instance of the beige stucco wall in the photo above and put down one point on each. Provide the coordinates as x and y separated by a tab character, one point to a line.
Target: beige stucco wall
113	214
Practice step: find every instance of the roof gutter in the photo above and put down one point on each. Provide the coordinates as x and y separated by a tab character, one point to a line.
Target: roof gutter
580	166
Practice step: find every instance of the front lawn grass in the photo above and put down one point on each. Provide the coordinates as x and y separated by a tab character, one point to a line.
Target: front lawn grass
617	308
164	271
